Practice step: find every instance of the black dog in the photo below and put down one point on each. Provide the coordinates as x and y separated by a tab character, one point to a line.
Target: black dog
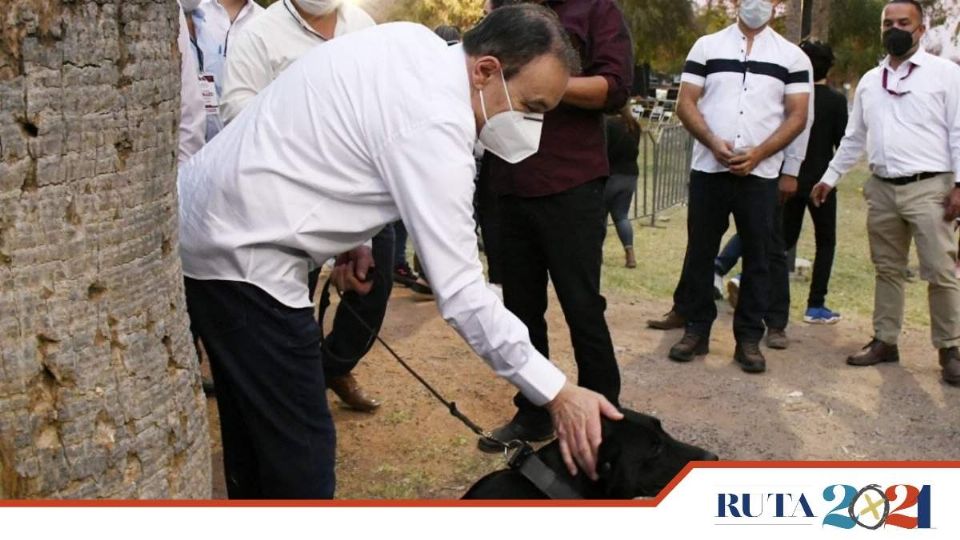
637	458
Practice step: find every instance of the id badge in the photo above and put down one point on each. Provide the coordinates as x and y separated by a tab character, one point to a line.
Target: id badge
208	90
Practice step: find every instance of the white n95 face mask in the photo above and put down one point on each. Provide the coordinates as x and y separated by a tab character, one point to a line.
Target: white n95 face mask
755	13
513	136
319	7
189	5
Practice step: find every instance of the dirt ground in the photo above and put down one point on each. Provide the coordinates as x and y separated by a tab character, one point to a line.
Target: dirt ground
808	406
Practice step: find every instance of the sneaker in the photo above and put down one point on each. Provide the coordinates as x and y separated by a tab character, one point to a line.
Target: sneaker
821	315
717	287
733	291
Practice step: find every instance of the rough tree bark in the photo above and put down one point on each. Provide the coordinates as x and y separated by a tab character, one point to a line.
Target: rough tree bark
820	21
99	385
793	19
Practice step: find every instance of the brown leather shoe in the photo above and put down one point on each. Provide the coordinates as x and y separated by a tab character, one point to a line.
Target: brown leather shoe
670	321
689	346
950	361
750	358
777	339
348	390
874	353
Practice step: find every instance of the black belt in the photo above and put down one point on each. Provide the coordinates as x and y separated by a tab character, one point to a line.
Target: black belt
904	180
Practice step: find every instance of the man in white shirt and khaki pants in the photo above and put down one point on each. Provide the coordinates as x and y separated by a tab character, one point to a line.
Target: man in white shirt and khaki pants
906	114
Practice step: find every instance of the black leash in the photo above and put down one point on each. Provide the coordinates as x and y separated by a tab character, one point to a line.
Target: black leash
450	405
524	460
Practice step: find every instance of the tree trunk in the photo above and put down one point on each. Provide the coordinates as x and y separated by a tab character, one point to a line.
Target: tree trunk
793	19
99	385
820	24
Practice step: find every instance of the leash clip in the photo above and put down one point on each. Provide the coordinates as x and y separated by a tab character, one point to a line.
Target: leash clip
520	455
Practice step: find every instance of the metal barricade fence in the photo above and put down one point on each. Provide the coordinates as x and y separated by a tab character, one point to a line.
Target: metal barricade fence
665	156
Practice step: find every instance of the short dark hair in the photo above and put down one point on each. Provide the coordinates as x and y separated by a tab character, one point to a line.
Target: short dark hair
914	3
447	33
516	35
821	56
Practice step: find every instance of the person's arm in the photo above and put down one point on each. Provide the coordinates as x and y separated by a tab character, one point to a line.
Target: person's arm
799	81
246	72
952	204
608	72
692	82
429	173
840	118
848	154
193	117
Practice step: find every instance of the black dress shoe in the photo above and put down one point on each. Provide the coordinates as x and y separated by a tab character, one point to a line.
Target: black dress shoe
689	346
874	353
750	358
950	362
515	431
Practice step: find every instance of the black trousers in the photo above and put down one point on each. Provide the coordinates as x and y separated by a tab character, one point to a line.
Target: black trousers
278	435
561	237
825	235
488	217
753	203
348	340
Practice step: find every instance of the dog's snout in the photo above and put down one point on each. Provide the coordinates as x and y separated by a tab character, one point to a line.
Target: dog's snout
710	456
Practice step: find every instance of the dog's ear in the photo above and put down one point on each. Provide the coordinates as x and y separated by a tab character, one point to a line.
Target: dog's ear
627	446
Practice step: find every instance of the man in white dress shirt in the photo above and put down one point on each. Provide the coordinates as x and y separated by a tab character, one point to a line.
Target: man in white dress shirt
287	29
370	128
266	47
215	25
906	114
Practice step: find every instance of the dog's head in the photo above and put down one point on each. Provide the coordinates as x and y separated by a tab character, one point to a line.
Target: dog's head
638	458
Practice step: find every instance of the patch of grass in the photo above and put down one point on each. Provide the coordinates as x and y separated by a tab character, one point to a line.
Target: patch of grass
660	253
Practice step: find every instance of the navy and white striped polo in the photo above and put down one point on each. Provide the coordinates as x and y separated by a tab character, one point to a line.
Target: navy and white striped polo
743	94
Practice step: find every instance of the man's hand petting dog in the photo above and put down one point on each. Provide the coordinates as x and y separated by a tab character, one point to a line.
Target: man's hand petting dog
352	270
576	414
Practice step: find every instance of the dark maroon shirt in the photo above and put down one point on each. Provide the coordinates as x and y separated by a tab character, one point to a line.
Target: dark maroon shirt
572	150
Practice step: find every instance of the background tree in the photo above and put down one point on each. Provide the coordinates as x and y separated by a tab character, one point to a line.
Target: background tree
432	13
99	387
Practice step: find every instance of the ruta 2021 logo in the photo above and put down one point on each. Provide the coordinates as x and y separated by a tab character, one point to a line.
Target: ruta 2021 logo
845	507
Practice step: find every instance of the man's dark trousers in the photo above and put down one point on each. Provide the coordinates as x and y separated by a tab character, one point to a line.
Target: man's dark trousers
278	435
349	340
560	236
825	233
752	201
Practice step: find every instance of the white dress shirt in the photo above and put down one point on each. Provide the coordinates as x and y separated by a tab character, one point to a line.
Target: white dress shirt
193	118
915	132
743	99
372	127
271	43
215	33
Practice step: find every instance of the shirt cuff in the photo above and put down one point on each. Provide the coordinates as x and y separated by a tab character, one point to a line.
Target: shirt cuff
791	166
695	80
538	380
830	178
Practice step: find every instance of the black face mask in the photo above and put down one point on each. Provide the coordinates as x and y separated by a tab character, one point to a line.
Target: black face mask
897	42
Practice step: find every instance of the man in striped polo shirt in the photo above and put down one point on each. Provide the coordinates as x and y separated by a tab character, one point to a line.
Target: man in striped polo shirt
745	97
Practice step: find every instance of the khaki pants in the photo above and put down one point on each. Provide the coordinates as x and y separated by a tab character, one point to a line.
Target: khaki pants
895	215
